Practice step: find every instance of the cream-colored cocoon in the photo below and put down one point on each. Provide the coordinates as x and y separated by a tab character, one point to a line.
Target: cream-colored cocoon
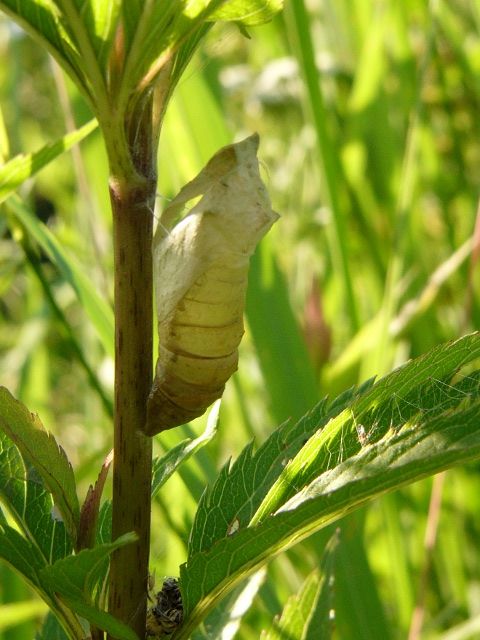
200	273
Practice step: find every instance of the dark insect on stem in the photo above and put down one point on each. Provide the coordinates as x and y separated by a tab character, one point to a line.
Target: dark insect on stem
164	617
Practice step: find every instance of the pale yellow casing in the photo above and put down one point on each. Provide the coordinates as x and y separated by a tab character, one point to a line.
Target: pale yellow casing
200	273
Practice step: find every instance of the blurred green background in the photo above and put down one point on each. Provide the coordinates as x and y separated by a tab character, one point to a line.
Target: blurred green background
370	146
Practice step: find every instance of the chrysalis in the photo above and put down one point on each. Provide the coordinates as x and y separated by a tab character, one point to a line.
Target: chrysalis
200	271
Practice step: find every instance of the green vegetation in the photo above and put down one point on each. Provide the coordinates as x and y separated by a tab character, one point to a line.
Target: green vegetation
334	520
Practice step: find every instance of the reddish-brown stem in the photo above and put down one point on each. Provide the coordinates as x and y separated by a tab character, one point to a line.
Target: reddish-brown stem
132	224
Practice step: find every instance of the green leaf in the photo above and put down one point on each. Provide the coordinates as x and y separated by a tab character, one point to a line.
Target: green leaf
413	423
242	486
101	619
165	466
31	505
225	620
410	455
51	629
24	558
158	34
24	166
295	618
420	386
248	12
321	624
104	524
43	20
77	575
21	555
160	28
40	449
154	32
296	615
97	309
76	578
93	22
306	615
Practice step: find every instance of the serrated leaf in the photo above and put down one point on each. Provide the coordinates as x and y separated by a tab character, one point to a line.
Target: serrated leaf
248	12
415	422
419	386
242	486
97	309
40	449
75	577
45	23
24	166
407	456
31	505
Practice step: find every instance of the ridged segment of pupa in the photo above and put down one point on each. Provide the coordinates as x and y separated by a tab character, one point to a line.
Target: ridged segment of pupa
200	270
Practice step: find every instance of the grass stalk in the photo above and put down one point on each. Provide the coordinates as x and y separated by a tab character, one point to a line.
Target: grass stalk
296	13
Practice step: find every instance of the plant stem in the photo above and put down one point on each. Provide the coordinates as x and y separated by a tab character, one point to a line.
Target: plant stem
132	203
